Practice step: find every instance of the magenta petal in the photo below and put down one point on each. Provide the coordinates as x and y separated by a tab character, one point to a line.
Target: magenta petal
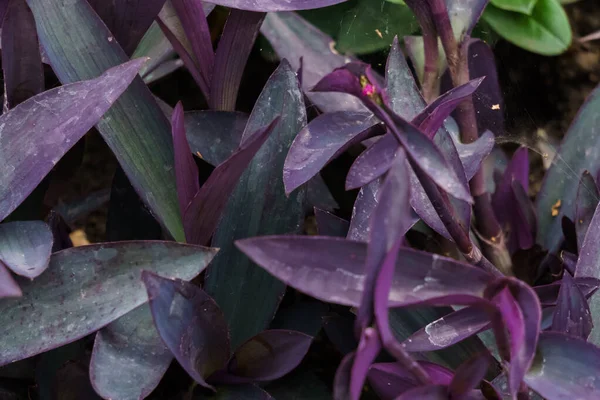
191	325
186	171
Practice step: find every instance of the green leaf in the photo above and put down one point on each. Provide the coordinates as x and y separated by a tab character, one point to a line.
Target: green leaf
86	288
579	151
520	6
546	31
248	295
79	46
372	24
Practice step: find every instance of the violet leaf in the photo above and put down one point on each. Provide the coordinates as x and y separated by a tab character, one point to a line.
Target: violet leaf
449	330
293	38
261	190
472	155
332	269
559	188
186	171
323	139
364	205
389	380
190	324
140	140
469	375
132	343
372	163
86	288
21	60
585	204
368	349
433	392
205	209
60	117
572	314
275	5
237	40
25	247
343	379
128	20
330	225
548	294
8	286
565	367
265	357
215	135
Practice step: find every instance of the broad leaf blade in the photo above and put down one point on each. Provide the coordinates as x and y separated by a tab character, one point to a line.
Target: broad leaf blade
84	289
75	40
25	247
190	324
129	358
261	190
572	314
21	60
585	205
61	117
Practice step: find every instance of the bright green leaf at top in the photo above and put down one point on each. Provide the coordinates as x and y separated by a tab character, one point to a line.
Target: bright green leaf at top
372	24
546	31
520	6
397	2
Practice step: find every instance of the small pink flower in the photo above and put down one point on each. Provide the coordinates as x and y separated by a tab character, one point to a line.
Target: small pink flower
368	90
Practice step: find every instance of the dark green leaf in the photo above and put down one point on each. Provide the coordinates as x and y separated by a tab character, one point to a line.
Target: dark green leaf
520	6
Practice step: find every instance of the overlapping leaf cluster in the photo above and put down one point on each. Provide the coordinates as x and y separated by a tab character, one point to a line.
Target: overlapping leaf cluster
447	282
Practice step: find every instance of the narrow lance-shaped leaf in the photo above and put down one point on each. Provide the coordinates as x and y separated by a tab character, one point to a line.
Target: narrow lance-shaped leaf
128	20
21	60
77	45
275	5
132	343
364	205
204	211
190	324
565	367
585	204
61	117
261	190
368	349
293	38
86	288
239	34
25	247
186	171
572	314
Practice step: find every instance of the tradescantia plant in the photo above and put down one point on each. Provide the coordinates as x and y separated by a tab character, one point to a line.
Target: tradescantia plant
447	282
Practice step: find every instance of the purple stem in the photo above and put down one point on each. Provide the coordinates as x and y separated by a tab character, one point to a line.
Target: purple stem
457	58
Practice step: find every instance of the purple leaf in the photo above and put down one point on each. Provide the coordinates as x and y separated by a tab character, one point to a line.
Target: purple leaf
128	20
132	343
473	154
237	40
390	221
548	294
193	21
186	171
402	90
21	60
572	314
204	212
330	225
322	140
469	375
525	225
61	117
8	286
190	324
565	368
521	315
585	204
343	379
294	38
389	380
488	101
332	270
265	357
86	288
373	162
368	349
275	5
449	330
569	261
216	135
364	205
437	392
25	247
